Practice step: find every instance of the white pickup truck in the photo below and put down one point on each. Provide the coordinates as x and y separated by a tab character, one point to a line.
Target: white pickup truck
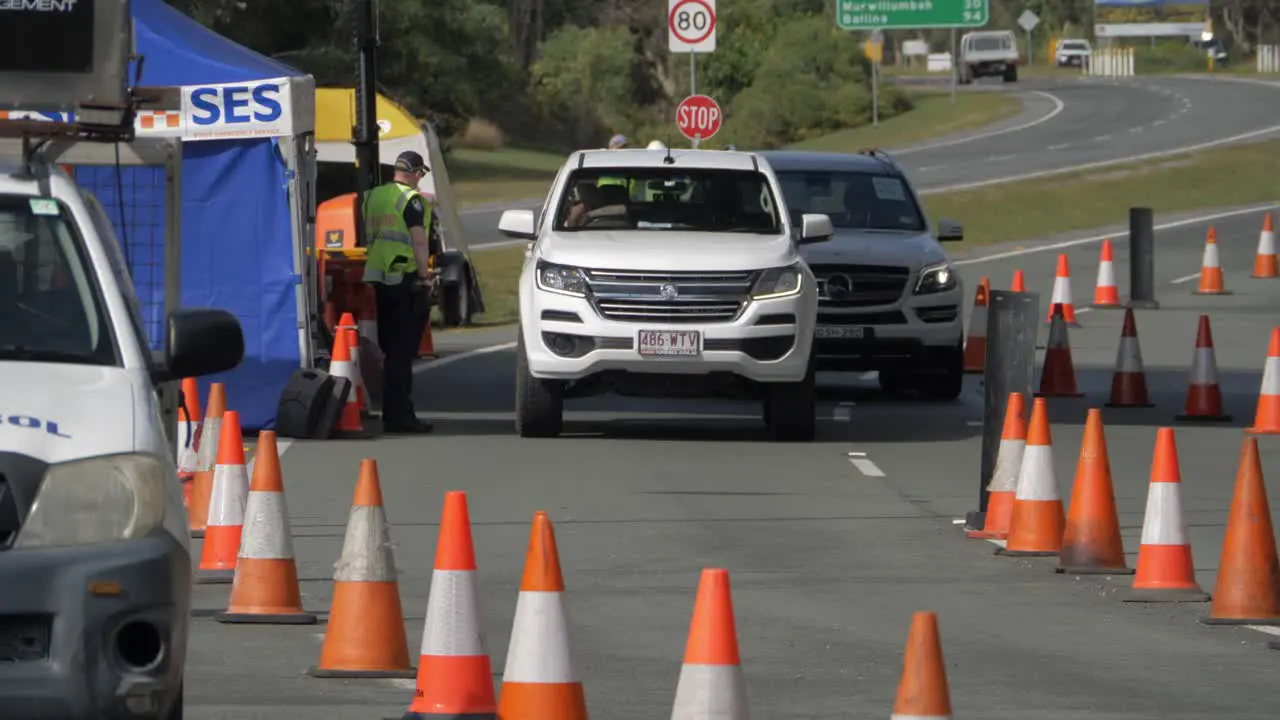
989	53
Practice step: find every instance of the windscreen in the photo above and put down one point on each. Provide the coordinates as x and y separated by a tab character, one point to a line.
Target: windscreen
664	199
853	200
989	42
1074	46
48	306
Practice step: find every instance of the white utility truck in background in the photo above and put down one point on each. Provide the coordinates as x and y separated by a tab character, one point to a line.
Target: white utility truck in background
988	53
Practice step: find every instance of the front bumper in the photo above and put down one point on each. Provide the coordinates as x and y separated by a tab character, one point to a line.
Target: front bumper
768	342
69	618
921	334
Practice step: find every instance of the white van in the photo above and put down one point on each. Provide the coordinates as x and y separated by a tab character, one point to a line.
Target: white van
94	557
988	53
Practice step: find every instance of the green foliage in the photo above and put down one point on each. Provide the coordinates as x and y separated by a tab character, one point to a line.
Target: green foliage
584	79
1175	56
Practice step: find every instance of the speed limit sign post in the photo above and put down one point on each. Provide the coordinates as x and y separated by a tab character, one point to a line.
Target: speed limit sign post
691	28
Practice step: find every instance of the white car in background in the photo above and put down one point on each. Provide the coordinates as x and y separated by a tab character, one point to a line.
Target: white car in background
1072	53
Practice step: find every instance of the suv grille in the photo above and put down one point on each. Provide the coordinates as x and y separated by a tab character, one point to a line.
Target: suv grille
849	286
670	297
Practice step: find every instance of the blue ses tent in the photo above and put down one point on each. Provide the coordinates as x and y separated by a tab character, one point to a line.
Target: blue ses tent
246	124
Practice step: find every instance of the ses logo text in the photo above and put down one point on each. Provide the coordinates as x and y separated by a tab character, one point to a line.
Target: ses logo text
236	108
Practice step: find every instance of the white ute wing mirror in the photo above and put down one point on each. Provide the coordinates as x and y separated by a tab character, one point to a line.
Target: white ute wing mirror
815	227
950	231
517	224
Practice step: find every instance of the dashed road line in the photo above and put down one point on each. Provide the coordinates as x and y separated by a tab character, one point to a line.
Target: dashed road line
864	465
1185	278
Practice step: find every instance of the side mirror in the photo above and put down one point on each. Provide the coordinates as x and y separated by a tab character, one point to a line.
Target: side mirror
949	231
200	341
815	228
517	224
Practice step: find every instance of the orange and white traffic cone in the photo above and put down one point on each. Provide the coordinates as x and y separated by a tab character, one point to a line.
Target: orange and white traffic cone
1165	571
1248	589
923	693
265	589
1204	396
1265	265
541	681
1129	383
1105	292
365	636
206	459
975	346
1091	543
1267	420
454	676
226	506
1019	282
348	423
1211	282
1038	518
188	435
1004	479
347	324
427	346
711	683
1062	293
1058	376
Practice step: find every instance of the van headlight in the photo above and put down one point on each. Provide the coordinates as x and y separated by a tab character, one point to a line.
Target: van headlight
561	279
937	278
777	282
116	497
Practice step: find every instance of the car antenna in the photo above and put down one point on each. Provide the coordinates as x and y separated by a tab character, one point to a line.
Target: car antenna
668	160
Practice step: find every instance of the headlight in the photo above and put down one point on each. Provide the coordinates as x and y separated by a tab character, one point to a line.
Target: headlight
117	497
561	279
936	278
777	282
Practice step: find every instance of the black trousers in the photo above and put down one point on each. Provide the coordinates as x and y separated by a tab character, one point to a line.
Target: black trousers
402	318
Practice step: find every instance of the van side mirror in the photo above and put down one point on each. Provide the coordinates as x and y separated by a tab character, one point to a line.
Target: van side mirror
518	224
815	227
950	231
200	341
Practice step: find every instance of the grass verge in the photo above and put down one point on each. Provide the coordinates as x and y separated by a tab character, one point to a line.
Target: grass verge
1234	175
484	176
499	271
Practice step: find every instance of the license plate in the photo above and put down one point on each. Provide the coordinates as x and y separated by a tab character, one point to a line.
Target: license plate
670	343
842	332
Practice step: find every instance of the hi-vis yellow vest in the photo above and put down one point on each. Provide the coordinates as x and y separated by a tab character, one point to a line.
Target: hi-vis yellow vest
391	253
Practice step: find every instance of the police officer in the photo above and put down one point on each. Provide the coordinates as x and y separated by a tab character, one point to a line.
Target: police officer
396	221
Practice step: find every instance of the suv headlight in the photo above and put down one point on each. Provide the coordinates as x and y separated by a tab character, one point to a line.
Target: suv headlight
777	282
117	497
936	278
561	279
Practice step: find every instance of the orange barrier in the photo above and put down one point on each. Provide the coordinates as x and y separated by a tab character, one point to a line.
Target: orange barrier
1166	572
711	683
1105	292
1267	419
206	459
1204	397
1211	282
1062	293
1003	487
975	346
1265	265
1248	589
223	530
1038	520
1019	282
1091	543
922	692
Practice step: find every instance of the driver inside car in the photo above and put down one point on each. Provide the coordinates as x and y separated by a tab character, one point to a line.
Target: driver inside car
592	202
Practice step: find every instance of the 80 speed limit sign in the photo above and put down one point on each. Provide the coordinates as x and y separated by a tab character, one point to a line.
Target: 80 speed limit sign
691	26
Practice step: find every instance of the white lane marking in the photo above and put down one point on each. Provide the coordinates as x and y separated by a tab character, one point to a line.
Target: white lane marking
1158	123
1265	629
450	359
1084	310
1185	278
1134	130
401	683
866	467
998	543
1058	106
1060	146
1114	236
1102	138
1000	158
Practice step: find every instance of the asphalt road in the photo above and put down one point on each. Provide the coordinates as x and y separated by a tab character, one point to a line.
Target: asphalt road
827	561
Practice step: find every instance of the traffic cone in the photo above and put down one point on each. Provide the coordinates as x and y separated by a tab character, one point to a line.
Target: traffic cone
1204	397
1037	524
1105	292
226	506
711	686
206	459
1091	543
1267	420
454	676
1019	282
975	346
1211	268
922	691
188	435
1129	383
426	347
365	637
1058	376
1004	479
1062	293
265	589
1165	571
1265	265
541	681
347	324
1248	588
348	423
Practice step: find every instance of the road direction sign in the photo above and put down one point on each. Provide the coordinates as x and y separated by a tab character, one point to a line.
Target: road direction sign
911	14
1028	20
691	26
698	117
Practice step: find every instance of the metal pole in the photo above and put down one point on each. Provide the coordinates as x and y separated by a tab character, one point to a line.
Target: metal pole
366	130
875	93
693	84
1012	324
1030	58
955	67
1142	259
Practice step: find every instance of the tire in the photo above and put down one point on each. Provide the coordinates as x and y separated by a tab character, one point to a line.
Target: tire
455	309
946	387
894	384
539	403
1011	74
790	409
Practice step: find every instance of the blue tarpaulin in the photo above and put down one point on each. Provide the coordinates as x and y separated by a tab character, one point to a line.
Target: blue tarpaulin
237	238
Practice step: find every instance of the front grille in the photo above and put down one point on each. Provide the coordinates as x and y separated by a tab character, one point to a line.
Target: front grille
669	297
849	286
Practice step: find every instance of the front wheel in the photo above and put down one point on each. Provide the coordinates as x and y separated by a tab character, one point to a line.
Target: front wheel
456	303
1011	74
175	711
539	403
790	409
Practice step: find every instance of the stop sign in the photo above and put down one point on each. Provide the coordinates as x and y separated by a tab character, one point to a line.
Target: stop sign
698	117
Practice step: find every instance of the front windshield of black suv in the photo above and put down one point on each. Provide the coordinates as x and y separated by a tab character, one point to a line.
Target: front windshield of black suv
49	307
853	200
658	199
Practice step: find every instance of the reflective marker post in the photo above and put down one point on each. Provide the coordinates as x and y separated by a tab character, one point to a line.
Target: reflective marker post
1013	321
1142	259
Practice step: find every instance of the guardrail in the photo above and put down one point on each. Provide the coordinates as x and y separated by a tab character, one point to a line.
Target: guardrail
1268	59
1109	62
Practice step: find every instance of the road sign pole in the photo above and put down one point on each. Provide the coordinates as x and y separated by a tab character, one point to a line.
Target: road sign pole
1030	57
693	83
875	93
955	67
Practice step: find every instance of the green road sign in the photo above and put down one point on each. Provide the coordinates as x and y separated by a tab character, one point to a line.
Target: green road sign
911	14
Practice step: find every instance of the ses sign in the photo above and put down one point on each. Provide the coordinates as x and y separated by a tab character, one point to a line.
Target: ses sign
237	110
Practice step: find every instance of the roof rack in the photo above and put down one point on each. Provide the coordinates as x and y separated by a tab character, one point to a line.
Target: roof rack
88	123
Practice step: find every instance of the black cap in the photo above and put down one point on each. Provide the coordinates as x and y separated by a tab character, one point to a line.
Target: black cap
410	161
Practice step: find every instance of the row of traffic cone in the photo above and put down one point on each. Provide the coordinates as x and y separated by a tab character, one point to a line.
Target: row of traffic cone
1025	511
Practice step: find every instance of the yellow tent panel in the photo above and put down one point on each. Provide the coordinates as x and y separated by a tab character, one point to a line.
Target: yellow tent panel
336	117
